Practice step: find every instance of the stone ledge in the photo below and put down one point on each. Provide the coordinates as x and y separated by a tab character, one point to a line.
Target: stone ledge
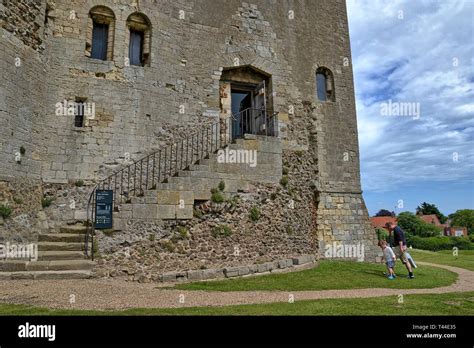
280	266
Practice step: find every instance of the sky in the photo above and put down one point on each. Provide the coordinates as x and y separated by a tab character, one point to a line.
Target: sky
414	81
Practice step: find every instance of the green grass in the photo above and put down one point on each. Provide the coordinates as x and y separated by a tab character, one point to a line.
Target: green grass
465	258
332	275
439	304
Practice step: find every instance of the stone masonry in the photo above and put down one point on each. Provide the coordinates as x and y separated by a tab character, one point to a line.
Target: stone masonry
193	50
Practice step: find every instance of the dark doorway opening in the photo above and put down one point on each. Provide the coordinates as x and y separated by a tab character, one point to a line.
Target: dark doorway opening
242	99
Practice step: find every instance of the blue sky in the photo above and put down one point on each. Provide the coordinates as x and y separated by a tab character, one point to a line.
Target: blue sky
419	52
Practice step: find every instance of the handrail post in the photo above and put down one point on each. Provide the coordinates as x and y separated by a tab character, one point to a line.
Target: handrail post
153	171
181	157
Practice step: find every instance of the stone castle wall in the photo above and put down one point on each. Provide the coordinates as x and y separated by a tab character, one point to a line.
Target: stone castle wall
138	109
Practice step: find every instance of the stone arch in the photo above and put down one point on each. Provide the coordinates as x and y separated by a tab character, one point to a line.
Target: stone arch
100	16
139	28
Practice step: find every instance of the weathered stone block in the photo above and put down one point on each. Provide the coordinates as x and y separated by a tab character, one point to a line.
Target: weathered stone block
195	275
169	277
144	211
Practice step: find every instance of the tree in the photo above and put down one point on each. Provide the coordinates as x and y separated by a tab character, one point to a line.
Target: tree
411	223
429	209
385	212
463	218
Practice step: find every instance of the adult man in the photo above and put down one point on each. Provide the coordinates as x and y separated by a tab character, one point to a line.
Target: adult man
400	246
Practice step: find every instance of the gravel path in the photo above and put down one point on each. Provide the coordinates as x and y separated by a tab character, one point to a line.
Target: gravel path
116	294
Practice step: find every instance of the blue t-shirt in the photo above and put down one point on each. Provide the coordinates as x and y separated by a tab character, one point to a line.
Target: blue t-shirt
398	236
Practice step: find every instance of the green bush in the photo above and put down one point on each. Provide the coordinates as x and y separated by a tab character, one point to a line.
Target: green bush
412	224
285	171
221	186
168	245
284	181
46	202
5	211
221	231
197	213
382	233
439	243
255	214
18	200
79	183
182	232
217	197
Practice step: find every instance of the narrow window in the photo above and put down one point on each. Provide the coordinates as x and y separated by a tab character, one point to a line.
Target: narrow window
99	41
136	47
79	114
324	85
321	82
100	33
140	39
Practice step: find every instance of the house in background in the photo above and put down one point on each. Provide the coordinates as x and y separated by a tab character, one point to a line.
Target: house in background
448	230
382	221
431	219
455	231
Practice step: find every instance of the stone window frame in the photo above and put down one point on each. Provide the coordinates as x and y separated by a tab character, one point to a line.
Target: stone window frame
102	15
140	22
330	86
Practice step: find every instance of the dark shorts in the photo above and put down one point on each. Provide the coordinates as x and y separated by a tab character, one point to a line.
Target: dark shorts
390	264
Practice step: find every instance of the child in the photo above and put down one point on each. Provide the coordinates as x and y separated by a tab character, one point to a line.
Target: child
390	259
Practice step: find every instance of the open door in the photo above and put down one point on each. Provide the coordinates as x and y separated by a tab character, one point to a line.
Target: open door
260	107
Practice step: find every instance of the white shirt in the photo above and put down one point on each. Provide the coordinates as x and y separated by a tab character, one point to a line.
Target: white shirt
388	254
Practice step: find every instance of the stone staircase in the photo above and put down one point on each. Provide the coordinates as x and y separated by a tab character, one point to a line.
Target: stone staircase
60	256
175	199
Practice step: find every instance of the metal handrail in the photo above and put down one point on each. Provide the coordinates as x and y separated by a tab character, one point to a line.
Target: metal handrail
164	163
177	156
252	120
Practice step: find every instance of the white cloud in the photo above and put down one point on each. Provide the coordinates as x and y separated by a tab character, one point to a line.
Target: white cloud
423	56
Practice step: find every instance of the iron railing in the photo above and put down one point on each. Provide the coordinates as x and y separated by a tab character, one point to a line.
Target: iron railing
255	121
157	167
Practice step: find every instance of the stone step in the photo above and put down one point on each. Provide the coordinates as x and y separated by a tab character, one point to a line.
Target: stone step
199	167
61	237
73	229
56	265
60	255
208	175
206	161
42	275
60	246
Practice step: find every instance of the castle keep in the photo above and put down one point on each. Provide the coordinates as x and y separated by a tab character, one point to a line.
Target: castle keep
143	97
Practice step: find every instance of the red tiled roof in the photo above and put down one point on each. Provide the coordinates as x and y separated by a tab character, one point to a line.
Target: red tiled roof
381	221
431	219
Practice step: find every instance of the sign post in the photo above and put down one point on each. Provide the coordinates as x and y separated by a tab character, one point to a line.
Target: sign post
103	209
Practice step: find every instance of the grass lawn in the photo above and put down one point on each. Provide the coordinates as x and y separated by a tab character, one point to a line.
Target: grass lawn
443	304
332	275
465	258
